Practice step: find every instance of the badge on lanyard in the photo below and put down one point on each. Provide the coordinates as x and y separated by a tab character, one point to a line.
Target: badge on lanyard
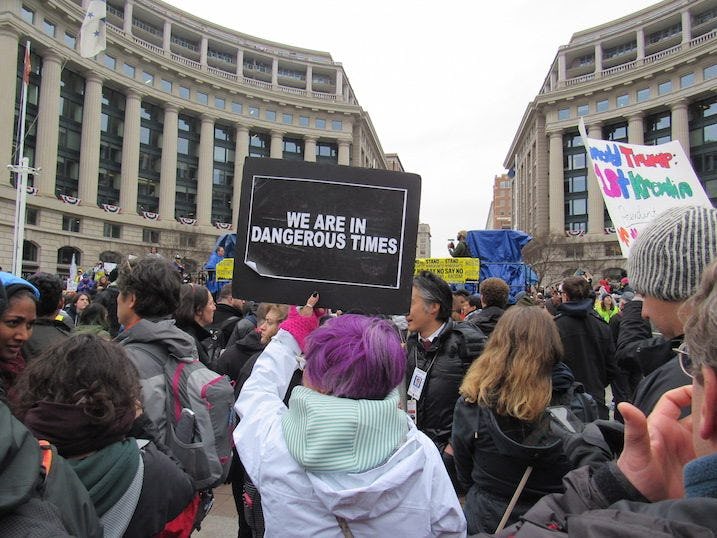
415	387
411	409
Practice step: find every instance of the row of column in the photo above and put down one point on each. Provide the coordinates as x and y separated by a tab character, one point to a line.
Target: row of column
48	129
596	205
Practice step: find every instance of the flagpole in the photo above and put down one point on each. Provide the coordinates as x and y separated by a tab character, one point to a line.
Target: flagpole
21	170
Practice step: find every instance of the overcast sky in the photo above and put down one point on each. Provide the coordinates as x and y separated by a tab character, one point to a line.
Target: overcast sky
445	83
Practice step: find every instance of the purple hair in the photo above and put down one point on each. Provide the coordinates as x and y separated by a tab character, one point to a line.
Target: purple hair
356	357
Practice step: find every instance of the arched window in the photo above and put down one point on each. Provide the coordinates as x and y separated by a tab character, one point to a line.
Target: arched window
29	251
110	256
64	255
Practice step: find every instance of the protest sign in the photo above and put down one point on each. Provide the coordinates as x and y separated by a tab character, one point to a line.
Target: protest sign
347	232
225	269
640	182
452	270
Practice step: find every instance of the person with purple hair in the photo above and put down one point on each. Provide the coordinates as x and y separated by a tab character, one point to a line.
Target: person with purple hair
342	458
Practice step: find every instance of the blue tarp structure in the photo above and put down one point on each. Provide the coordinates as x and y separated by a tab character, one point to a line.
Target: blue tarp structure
229	242
500	256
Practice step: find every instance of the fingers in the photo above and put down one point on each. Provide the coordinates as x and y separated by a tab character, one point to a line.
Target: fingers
308	308
636	434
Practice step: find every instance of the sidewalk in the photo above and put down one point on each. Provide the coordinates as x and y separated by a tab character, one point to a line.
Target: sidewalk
222	519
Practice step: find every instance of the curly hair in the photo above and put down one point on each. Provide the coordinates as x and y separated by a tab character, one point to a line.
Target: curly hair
50	288
155	284
494	291
81	370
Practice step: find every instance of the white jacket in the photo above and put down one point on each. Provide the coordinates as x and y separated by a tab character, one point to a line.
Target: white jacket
410	495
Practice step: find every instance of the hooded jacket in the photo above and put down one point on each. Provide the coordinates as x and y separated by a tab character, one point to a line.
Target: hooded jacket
487	319
589	349
409	494
143	342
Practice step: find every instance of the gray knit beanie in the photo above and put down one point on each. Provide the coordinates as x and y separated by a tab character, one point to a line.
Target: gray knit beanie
670	254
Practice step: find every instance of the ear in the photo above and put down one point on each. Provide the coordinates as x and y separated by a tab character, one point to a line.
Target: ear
434	308
708	409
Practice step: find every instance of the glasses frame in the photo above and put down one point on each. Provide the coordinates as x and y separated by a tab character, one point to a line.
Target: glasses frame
683	357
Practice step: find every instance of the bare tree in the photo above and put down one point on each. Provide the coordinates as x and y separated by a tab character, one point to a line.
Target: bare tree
546	254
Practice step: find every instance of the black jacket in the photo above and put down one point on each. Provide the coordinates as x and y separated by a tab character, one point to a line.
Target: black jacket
108	299
45	333
200	335
667	377
589	349
445	364
486	319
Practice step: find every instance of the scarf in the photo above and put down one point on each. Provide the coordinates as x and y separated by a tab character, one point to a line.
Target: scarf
108	473
72	430
326	433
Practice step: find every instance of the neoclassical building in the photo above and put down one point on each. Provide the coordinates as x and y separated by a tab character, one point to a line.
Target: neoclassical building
646	78
143	145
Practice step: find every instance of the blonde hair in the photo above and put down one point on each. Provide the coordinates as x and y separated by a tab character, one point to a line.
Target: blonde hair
513	374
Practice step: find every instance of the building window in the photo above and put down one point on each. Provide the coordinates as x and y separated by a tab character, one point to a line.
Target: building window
575	184
147	78
184	92
236	107
287	119
583	110
29	251
150	236
65	254
574	162
70	223
293	149
327	152
129	70
219	103
664	87
113	231
563	114
578	206
258	145
70	40
27	15
110	62
602	106
202	98
303	121
575	251
270	115
615	133
643	95
48	27
165	85
710	72
703	144
687	80
622	100
320	123
658	129
31	216
612	249
254	111
337	125
187	240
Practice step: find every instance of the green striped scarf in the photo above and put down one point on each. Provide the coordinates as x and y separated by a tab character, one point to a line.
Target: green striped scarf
326	433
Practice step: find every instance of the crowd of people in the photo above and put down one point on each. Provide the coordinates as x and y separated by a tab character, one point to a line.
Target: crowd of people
121	408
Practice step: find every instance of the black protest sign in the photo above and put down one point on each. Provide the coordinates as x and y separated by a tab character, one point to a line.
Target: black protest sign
349	233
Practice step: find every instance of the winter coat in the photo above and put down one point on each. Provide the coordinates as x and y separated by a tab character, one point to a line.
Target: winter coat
604	503
487	319
589	349
45	333
410	494
236	355
606	314
108	299
667	377
198	334
445	369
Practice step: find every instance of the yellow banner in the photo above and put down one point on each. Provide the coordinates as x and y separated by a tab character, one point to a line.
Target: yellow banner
452	270
225	269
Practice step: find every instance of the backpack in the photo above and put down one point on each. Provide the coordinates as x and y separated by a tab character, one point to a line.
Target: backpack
198	401
578	401
472	342
217	343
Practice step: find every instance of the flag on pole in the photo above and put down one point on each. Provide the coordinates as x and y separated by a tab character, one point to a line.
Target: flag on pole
93	35
27	66
73	268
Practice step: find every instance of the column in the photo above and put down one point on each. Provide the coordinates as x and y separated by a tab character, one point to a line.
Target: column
203	49
275	72
9	41
680	125
556	187
598	59
344	146
553	80
596	205
686	26
205	172
309	78
90	142
635	129
240	153
277	145
562	71
240	62
48	123
168	173
127	27
167	36
339	83
640	38
130	152
310	149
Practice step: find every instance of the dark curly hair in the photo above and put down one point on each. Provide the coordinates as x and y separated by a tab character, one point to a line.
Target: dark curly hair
81	370
50	288
155	284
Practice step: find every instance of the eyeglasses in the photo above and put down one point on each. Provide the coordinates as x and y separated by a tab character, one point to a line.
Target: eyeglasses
684	359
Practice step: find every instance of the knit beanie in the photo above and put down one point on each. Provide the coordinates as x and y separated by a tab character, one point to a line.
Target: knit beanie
669	255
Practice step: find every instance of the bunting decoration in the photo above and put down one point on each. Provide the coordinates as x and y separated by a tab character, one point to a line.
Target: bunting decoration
150	215
574	233
111	208
72	200
187	221
223	225
610	230
32	191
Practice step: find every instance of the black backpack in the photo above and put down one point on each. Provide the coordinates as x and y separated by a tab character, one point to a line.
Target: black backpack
217	343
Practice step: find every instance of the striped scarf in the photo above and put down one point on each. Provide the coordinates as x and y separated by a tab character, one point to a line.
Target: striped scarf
326	433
